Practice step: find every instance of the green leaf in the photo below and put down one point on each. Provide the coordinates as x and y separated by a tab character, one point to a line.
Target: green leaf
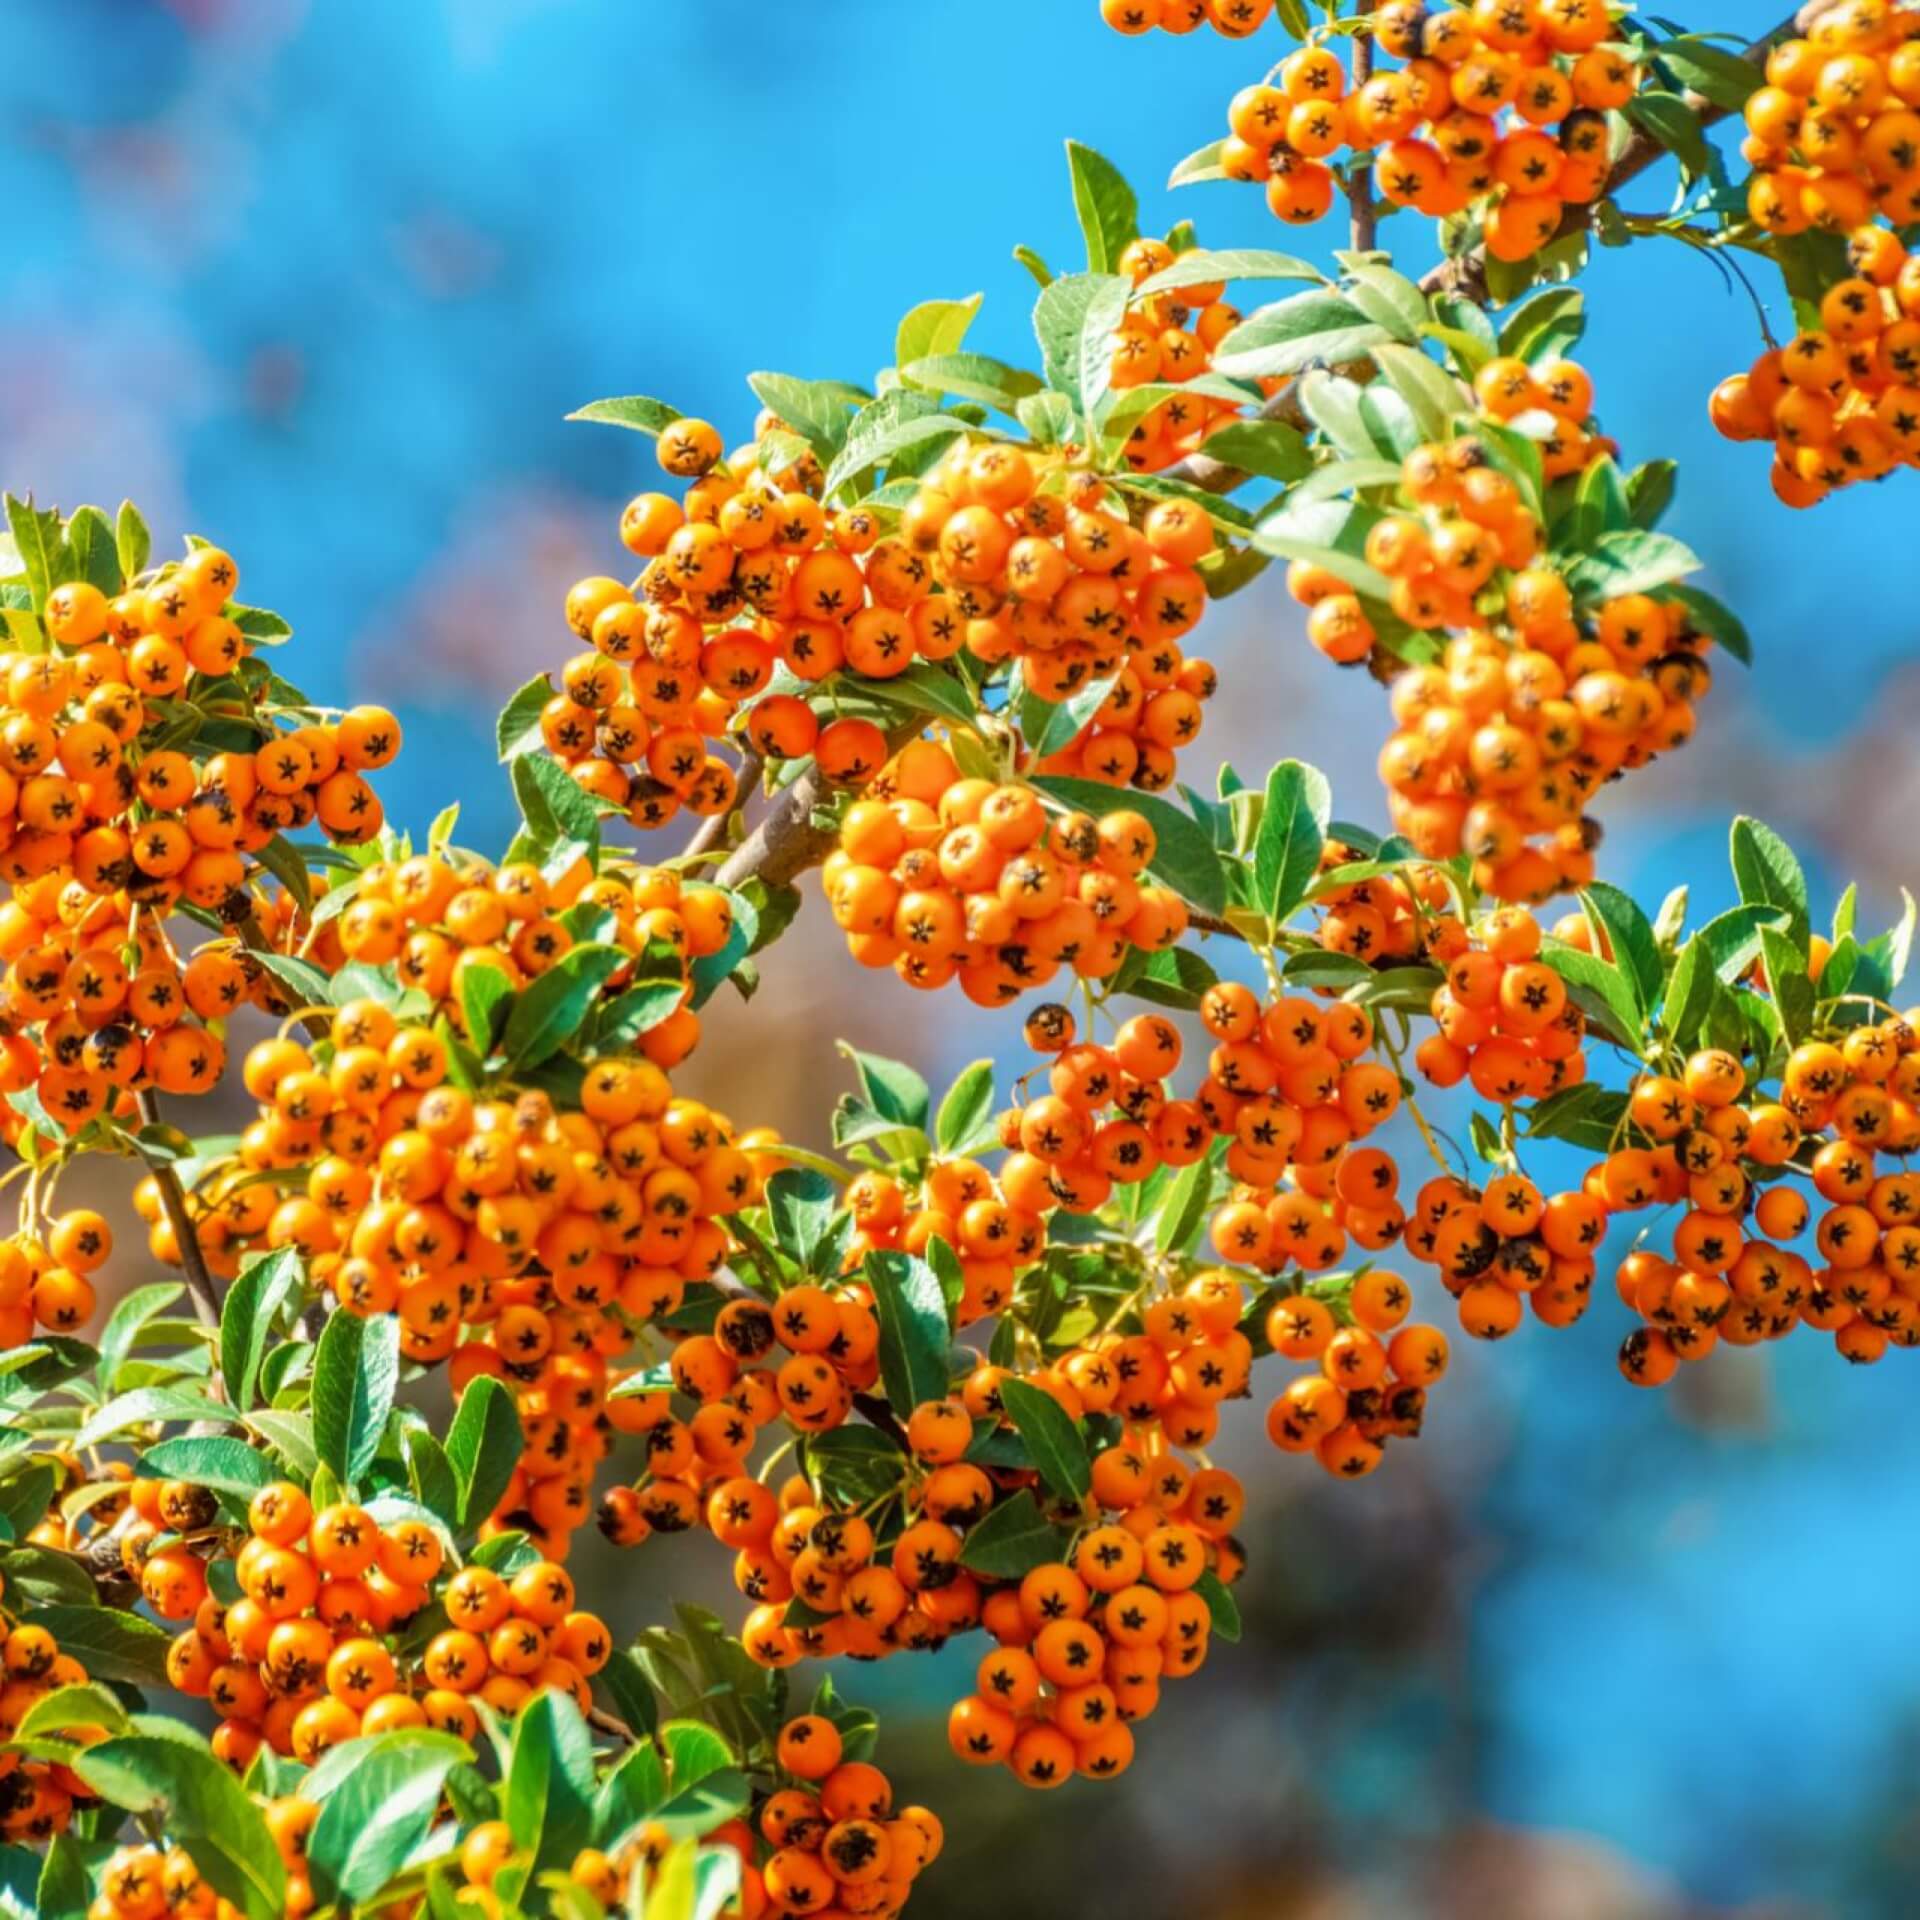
1716	618
261	626
964	1122
129	1316
1788	985
695	1752
356	1367
1768	874
972	376
1109	213
633	410
803	1206
517	730
1185	858
143	1406
1330	534
1183	1207
853	1465
46	1577
1058	1447
891	1087
1650	490
1049	727
379	1810
548	1798
886	427
77	1706
25	1497
1632	561
1599	505
431	1476
934	327
1629	937
1601	990
554	1007
1292	836
219	1461
290	1435
45	557
1385	296
486	999
132	540
202	1805
1049	417
633	1697
1689	993
96	556
1175	977
1198	267
554	805
1585	1114
1013	1539
1269	449
483	1447
1221	1604
1202	164
1316	328
1074	320
817	410
1042	273
915	1332
1710	71
1545	327
1671	123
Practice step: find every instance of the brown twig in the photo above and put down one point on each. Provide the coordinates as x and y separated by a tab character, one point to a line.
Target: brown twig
1364	222
201	1285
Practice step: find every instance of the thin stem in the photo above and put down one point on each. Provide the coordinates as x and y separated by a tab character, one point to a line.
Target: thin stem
201	1284
1364	222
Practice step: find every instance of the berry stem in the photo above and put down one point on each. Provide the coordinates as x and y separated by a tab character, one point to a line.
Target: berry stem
173	1200
1364	223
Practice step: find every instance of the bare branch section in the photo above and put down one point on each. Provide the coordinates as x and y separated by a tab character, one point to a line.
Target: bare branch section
786	842
201	1285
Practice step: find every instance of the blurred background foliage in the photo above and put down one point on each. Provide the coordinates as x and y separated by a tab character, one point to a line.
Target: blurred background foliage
319	278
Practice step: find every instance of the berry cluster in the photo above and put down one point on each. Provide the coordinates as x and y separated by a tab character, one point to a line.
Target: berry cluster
158	1883
1500	107
1834	140
1499	1248
1236	19
1504	1020
1082	1645
962	879
116	810
1704	1138
432	918
1502	742
1167	339
1042	565
48	1281
299	1660
37	1797
1373	1370
1290	1084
